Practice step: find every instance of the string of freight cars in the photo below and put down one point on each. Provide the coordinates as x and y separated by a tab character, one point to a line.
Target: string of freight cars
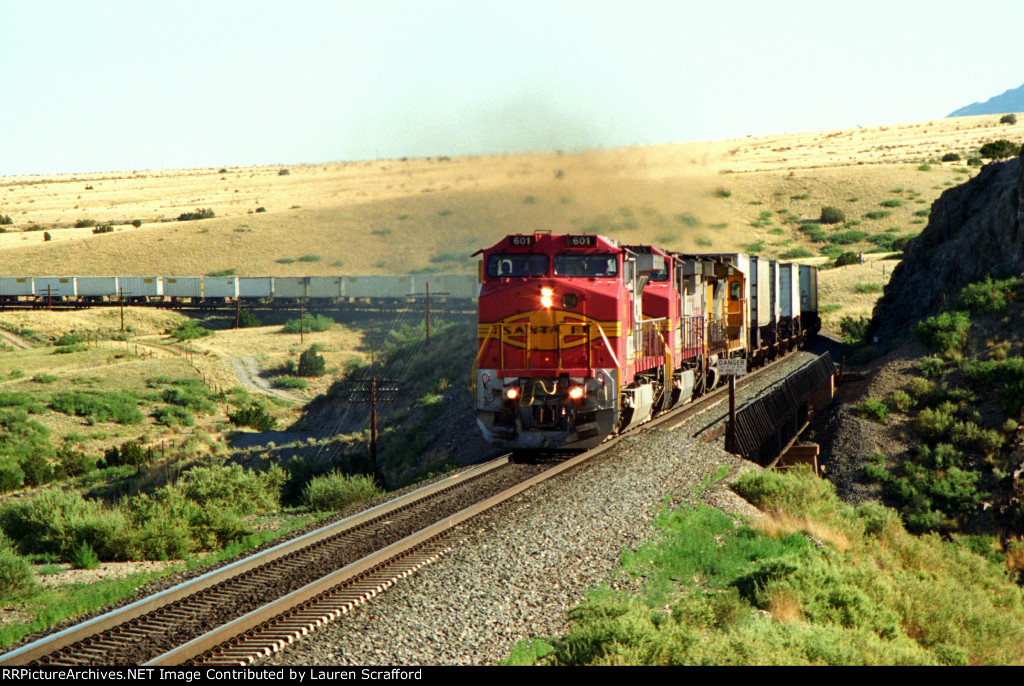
218	289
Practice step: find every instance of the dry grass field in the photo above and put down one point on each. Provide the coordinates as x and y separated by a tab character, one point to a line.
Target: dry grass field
393	216
149	353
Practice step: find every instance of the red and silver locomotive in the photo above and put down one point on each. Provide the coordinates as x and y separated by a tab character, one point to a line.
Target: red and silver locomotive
581	337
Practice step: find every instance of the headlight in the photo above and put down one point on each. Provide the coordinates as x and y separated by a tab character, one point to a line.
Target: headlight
547	297
576	392
511	392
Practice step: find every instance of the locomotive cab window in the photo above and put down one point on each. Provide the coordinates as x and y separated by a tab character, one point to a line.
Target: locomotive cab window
509	266
734	290
568	264
658	274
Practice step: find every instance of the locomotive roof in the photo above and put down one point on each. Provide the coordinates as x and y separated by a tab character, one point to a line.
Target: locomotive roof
547	242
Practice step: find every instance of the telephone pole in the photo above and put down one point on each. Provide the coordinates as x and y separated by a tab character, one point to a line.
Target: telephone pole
373	391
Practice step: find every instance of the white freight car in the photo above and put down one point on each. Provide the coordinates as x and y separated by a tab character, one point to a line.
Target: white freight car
220	286
379	286
13	287
256	287
326	287
96	287
137	287
466	286
55	287
183	286
291	287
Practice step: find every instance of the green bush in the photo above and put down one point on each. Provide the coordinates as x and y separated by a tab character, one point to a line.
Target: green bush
935	424
248	320
308	324
174	416
75	462
951	157
253	416
797	253
336	491
119	407
872	409
832	215
892	202
130	453
290	382
84	557
311	363
988	296
242	490
946	332
58	522
847	258
877	214
16	577
847	237
933	366
195	399
814	232
854	330
900	401
189	330
169	524
198	214
1000	149
884	241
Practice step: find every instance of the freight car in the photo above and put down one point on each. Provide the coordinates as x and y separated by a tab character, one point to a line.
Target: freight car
581	337
213	290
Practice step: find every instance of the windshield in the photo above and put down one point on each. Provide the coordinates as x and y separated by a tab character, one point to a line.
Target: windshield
586	265
517	265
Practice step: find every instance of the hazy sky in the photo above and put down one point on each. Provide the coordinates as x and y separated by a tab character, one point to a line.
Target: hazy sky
99	85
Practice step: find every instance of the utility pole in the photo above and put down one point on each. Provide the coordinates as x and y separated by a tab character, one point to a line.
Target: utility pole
121	301
426	297
238	313
302	323
373	391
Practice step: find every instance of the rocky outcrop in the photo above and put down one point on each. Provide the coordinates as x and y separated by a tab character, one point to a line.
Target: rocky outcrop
975	230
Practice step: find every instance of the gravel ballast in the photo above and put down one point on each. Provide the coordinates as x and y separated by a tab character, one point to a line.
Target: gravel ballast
521	568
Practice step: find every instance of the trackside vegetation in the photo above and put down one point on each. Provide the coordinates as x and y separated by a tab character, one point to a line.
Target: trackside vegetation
815	581
963	411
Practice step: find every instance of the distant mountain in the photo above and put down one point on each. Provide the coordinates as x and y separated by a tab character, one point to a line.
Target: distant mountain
1010	101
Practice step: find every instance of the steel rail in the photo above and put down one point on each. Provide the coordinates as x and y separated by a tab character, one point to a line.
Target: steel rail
243	640
62	639
221	635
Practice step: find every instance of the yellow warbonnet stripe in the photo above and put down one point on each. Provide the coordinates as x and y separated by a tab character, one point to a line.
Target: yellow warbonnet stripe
540	327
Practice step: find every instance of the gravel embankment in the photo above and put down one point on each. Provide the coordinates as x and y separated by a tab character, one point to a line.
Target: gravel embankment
521	568
847	439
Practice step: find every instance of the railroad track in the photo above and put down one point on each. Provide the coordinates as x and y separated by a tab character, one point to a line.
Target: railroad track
254	607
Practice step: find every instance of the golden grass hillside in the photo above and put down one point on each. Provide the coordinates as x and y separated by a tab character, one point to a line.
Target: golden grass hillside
396	216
